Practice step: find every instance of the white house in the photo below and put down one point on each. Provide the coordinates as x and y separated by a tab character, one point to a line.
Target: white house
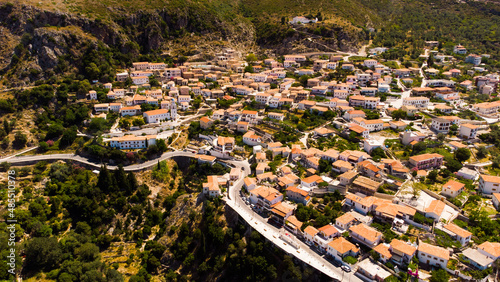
250	138
139	80
365	235
461	235
443	123
468	131
92	95
418	102
452	188
435	210
489	184
303	20
340	248
132	142
490	249
155	116
130	111
433	255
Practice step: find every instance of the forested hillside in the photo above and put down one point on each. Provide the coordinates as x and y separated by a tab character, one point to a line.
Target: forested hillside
74	225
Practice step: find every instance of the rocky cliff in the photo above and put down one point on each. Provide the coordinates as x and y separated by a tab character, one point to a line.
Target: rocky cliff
39	43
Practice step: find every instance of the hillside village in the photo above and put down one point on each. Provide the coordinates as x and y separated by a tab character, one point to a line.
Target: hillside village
382	168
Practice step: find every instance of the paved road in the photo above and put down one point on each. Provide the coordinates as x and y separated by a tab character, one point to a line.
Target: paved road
258	223
21	160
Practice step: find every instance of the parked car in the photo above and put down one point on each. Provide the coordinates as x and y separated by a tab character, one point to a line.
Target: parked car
346	268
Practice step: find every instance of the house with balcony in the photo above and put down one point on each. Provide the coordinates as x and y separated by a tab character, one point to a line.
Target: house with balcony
426	161
417	102
365	235
468	131
340	248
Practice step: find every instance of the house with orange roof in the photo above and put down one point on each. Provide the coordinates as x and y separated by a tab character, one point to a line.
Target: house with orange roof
288	180
264	197
250	183
435	210
461	235
242	126
468	131
261	168
402	252
426	161
433	255
260	157
211	188
309	233
252	139
329	155
224	145
365	235
496	200
388	211
490	249
340	248
280	212
323	132
452	188
384	252
298	195
312	162
328	232
206	122
342	166
205	159
345	221
130	111
369	169
363	205
359	130
354	114
489	184
293	225
156	116
311	181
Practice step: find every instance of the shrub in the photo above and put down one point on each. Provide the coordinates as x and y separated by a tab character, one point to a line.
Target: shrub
350	260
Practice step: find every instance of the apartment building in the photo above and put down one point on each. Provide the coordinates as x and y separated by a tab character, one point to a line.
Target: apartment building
426	161
443	123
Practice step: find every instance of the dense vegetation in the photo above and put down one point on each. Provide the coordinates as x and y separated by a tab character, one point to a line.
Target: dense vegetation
64	228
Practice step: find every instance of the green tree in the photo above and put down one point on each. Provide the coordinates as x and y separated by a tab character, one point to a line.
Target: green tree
462	154
43	253
453	165
398	114
20	140
251	58
439	275
68	137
